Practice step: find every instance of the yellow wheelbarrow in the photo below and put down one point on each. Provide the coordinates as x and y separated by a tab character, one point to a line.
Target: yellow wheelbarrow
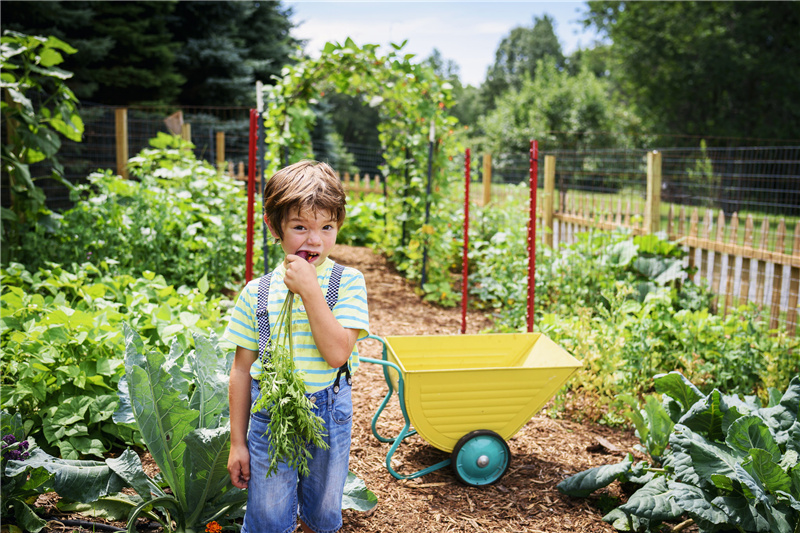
468	394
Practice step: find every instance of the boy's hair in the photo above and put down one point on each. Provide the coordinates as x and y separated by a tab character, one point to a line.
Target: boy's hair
305	185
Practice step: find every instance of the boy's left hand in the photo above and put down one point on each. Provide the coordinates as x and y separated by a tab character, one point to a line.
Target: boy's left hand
300	274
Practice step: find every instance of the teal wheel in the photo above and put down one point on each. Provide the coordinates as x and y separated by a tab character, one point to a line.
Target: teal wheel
480	458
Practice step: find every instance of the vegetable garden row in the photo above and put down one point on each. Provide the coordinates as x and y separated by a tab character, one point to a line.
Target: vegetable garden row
110	313
147	256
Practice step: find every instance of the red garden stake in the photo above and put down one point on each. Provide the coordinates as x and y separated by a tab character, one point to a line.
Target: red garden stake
251	193
465	260
534	174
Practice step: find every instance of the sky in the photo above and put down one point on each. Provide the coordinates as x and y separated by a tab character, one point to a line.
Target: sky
463	31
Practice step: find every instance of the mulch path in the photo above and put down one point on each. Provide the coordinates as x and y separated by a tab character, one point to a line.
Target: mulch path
544	452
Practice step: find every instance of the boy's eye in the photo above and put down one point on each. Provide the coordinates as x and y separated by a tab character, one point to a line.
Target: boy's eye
327	227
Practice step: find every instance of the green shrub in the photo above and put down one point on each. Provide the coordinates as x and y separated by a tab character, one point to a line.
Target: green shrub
177	217
63	345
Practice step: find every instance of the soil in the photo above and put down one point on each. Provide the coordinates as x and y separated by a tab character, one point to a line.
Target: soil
544	452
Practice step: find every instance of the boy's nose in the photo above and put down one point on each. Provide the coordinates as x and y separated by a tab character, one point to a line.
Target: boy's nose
314	238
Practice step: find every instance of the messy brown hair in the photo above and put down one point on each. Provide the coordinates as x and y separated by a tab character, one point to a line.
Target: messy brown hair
306	186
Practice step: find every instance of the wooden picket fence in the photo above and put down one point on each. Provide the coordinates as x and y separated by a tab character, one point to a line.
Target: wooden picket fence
762	267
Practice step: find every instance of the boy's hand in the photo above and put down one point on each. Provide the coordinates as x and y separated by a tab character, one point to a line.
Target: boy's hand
300	275
239	466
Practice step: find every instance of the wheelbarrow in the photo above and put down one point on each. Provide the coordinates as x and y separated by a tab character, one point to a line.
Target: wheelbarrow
468	394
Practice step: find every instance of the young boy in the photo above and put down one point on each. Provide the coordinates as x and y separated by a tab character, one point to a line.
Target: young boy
304	207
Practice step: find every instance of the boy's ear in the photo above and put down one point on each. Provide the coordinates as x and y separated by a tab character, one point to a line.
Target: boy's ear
269	227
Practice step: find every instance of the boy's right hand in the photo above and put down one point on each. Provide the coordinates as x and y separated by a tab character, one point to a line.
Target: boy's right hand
239	466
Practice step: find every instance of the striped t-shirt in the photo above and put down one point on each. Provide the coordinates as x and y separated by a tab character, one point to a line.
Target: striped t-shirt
350	310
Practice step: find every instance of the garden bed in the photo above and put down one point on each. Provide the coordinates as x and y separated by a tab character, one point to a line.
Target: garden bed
544	451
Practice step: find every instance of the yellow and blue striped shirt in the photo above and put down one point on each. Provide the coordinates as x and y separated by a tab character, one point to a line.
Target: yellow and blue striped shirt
350	310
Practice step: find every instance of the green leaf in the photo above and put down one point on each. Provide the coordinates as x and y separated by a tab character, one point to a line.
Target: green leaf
705	416
768	472
207	452
622	253
696	502
653	501
128	466
584	483
678	387
83	481
162	417
115	507
210	395
357	496
27	518
751	432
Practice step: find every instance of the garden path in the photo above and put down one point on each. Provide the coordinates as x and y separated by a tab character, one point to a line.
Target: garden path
544	451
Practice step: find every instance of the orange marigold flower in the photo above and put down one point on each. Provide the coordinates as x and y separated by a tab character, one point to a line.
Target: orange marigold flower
213	527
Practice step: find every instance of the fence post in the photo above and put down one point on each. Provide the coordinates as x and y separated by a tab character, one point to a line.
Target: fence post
794	285
652	213
121	130
549	196
487	178
220	150
777	277
186	132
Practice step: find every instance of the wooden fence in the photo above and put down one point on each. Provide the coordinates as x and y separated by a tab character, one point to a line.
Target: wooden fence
763	266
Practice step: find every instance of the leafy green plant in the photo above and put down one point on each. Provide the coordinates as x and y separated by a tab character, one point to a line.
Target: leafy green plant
293	426
37	106
178	402
178	217
732	463
61	331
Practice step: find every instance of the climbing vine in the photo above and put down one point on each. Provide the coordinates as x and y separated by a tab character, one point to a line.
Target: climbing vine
409	97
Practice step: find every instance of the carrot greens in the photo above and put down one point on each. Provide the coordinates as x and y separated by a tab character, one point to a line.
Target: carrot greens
293	426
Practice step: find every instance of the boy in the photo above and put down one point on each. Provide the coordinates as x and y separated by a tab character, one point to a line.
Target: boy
304	207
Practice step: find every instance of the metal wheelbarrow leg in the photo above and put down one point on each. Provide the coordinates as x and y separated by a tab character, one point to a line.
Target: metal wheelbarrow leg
406	431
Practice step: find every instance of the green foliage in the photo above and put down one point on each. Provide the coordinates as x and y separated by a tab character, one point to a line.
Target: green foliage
657	66
409	98
16	488
179	219
178	403
37	107
581	107
294	428
517	58
364	224
731	462
61	337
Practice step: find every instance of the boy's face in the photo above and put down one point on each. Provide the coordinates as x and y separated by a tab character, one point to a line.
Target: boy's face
310	235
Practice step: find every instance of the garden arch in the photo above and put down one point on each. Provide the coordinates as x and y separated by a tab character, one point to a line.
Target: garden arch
411	98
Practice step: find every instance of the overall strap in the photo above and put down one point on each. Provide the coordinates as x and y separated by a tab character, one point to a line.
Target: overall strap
262	308
262	315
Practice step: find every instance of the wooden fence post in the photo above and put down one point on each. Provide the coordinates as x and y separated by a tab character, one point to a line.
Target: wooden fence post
487	178
186	132
794	285
777	277
549	196
220	149
121	129
652	214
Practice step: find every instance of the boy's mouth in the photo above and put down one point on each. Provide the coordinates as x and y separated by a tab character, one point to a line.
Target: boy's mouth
308	256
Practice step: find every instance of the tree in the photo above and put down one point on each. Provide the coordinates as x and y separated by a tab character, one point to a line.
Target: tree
707	68
227	46
125	52
164	52
573	111
517	57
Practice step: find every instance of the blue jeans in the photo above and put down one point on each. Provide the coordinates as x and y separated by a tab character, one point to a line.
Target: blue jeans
273	503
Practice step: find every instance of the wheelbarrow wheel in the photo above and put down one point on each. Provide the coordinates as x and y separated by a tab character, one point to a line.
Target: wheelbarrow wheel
480	458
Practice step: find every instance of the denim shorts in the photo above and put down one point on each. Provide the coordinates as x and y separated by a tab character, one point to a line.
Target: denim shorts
274	503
